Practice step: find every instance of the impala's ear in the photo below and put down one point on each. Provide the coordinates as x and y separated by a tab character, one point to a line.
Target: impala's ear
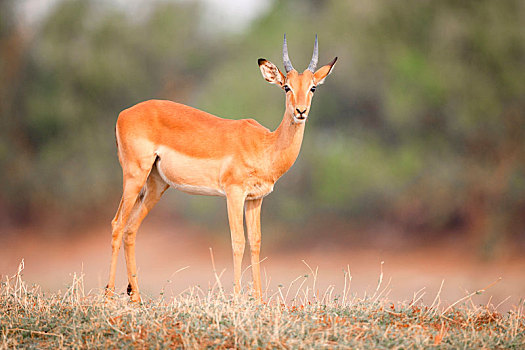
270	72
323	72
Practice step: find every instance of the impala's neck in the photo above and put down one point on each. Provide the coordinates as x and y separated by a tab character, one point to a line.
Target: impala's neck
287	141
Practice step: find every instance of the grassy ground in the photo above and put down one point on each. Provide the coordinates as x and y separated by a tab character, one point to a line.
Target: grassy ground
294	316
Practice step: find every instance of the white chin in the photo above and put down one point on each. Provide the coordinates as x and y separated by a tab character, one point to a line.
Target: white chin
299	121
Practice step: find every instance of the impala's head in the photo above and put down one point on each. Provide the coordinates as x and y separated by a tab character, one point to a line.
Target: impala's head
298	87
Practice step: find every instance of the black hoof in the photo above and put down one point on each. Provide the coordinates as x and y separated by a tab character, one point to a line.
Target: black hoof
129	289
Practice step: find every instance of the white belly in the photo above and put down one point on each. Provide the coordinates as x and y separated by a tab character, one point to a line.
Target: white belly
191	189
190	175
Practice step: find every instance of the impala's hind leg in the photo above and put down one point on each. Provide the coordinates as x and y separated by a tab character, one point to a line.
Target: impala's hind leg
149	196
134	178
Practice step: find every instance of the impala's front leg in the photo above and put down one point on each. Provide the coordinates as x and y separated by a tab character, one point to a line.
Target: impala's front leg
235	203
253	224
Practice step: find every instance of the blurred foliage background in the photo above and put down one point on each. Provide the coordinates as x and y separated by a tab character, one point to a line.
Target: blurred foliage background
418	134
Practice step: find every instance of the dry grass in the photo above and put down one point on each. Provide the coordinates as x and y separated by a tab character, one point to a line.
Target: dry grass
294	316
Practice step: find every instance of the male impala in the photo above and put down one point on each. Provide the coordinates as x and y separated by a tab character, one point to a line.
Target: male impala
162	144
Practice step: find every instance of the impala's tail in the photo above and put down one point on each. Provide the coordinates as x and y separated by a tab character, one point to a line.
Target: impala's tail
116	139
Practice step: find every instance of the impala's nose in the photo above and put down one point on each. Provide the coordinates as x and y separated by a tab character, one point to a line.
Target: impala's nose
300	112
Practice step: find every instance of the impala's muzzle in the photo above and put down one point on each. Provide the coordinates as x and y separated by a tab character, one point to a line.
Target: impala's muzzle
300	115
300	112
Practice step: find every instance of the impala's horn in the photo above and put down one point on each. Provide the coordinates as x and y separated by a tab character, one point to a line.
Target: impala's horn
287	64
315	57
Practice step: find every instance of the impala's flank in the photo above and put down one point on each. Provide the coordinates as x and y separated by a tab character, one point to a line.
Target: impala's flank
162	144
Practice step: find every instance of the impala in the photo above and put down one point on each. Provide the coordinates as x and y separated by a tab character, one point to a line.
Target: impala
163	143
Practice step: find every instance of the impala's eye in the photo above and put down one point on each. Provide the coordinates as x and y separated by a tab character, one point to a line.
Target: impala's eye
312	89
287	88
